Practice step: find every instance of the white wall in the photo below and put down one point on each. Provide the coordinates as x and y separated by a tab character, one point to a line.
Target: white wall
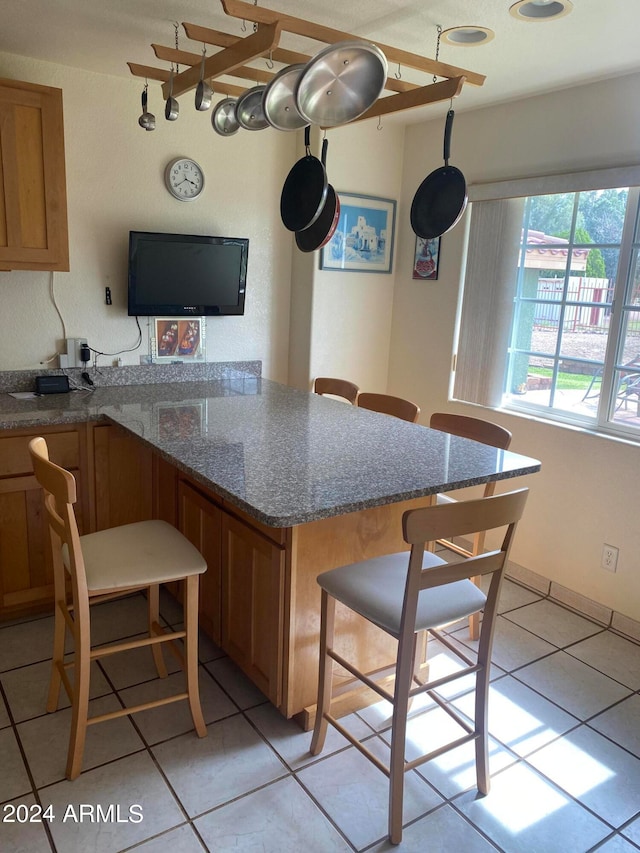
587	492
115	183
346	316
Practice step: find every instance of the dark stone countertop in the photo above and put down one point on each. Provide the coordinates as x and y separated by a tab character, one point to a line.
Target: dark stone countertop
284	456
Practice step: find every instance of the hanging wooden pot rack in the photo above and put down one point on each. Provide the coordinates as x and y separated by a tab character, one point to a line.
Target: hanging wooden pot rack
236	53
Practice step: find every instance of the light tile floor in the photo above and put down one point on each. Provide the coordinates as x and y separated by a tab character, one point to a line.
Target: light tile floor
564	719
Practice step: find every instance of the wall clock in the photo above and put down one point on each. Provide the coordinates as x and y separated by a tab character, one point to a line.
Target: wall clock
184	179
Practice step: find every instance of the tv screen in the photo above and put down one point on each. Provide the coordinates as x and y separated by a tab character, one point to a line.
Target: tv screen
182	275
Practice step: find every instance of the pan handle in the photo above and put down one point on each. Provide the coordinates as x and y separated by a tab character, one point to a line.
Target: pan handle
447	136
325	146
307	139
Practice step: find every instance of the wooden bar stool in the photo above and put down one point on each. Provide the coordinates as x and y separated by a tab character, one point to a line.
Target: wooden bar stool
336	387
404	594
102	566
485	432
389	405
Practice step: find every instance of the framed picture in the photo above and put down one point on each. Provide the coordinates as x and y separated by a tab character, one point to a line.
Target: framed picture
427	257
178	339
363	239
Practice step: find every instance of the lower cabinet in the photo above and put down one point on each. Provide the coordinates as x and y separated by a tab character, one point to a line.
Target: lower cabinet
242	591
199	519
121	481
26	570
253	604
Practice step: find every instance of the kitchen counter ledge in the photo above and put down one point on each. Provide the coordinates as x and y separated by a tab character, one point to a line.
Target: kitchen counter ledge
283	456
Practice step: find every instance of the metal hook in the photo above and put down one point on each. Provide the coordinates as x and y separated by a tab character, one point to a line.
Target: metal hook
398	73
270	63
243	26
379	127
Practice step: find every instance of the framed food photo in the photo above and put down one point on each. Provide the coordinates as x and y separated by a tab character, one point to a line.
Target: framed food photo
178	339
363	239
426	259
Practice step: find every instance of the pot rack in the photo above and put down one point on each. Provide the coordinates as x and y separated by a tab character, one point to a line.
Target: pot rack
232	60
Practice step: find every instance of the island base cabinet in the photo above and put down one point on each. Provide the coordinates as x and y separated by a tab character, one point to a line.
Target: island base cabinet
252	604
123	478
199	519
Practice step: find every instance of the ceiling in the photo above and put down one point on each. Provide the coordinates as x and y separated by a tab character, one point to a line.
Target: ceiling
595	41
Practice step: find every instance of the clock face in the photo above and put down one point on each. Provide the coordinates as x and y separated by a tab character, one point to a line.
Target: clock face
184	179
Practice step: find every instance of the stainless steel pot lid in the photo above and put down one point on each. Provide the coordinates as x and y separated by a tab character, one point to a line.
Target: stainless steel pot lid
249	109
223	118
279	102
341	82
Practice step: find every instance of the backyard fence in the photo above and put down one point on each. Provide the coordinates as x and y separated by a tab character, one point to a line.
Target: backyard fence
592	316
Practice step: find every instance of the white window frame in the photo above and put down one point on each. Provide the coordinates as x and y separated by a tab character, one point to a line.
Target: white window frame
485	323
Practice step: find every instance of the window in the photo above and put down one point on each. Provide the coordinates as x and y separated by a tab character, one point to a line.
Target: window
550	320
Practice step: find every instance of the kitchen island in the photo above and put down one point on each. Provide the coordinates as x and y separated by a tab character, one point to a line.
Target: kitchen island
276	485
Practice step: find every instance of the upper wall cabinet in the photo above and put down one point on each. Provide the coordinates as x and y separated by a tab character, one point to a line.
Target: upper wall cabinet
33	195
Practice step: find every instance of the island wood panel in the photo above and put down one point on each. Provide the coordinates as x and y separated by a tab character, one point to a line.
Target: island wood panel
317	547
253	570
165	490
199	519
123	477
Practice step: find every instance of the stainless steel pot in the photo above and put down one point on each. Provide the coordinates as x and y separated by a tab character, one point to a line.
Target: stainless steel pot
279	101
250	111
341	82
171	106
204	92
223	118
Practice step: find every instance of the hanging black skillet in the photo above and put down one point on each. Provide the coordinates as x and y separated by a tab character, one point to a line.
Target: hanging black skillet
441	198
318	235
305	189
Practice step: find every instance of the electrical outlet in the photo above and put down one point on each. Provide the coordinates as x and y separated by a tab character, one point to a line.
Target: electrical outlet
72	357
609	558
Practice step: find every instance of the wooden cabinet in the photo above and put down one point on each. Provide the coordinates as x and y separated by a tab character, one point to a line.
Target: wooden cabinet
199	519
122	487
253	604
33	196
26	571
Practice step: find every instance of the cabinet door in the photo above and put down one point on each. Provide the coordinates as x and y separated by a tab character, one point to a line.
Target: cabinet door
252	604
123	483
26	568
199	521
33	200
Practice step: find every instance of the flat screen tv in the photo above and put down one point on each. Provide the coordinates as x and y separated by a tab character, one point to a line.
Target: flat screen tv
184	275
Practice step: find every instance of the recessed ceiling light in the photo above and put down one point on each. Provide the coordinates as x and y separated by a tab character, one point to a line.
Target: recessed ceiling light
467	36
540	10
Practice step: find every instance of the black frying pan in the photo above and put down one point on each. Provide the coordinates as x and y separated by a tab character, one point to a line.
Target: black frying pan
305	189
318	235
441	198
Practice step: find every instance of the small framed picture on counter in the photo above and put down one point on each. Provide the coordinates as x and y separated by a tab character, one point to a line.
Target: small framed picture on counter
426	259
178	339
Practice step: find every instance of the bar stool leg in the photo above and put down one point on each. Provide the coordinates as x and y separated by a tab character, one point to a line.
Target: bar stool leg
191	642
327	625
